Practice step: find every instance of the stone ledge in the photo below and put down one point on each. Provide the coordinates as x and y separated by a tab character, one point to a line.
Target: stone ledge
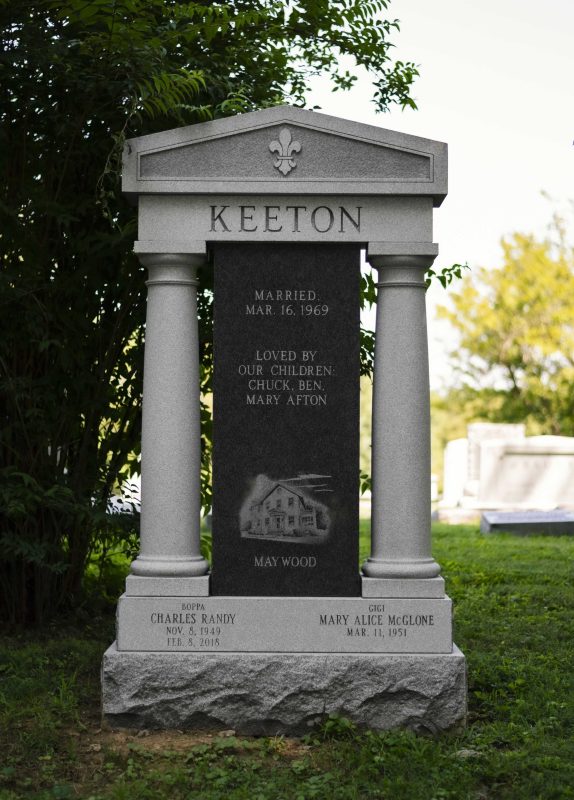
272	694
140	586
233	624
402	587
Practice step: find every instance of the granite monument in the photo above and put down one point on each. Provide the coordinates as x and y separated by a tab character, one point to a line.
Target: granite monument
285	630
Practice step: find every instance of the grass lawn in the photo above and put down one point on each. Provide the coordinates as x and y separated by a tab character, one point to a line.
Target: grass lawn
514	619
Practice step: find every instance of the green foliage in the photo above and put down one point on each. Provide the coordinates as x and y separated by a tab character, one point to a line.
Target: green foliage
367	338
365	482
78	77
446	276
442	413
335	727
515	326
514	613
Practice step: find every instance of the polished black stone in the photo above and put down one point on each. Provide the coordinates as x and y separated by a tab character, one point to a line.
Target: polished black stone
286	420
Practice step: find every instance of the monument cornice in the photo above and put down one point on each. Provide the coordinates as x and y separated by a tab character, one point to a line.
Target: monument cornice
285	151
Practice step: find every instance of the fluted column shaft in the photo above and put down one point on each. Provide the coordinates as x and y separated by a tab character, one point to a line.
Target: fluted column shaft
400	520
171	441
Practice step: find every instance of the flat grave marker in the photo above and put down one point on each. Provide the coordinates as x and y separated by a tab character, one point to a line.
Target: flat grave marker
524	523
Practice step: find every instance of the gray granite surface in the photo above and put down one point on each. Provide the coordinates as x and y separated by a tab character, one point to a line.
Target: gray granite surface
266	694
285	624
327	155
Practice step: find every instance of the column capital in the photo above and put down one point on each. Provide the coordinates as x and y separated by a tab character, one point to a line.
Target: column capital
157	253
383	255
172	268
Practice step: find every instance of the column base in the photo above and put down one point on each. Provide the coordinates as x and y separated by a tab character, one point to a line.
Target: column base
144	586
291	693
147	567
403	587
397	568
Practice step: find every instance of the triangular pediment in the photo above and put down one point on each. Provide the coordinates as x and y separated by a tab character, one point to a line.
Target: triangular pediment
285	150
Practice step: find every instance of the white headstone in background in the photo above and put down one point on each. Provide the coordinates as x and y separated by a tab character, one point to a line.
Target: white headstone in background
535	473
479	432
433	487
498	467
455	472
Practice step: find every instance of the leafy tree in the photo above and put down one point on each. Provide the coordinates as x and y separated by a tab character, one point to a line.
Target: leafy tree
515	326
76	78
442	425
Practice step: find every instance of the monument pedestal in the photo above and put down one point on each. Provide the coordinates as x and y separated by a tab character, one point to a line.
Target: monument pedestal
283	693
284	624
282	665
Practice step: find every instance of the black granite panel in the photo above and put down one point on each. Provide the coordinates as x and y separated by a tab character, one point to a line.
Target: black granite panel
286	419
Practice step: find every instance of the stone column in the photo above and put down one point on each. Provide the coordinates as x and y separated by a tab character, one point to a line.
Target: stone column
170	544
400	563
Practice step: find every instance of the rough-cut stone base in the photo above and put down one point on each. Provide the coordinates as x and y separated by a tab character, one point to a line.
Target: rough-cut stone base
286	693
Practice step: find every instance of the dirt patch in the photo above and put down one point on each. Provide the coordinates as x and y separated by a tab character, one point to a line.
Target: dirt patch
96	741
153	741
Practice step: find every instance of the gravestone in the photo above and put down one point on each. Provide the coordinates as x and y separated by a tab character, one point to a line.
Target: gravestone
455	472
285	630
479	433
499	467
535	473
547	523
286	394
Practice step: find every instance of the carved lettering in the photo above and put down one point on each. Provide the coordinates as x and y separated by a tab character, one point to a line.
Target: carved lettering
345	213
411	619
217	217
274	219
330	219
246	218
333	619
296	210
269	218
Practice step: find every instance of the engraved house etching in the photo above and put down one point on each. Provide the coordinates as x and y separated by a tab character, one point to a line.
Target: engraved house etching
283	512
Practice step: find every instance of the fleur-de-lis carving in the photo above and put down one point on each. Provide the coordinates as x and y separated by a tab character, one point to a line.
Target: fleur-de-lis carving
285	148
